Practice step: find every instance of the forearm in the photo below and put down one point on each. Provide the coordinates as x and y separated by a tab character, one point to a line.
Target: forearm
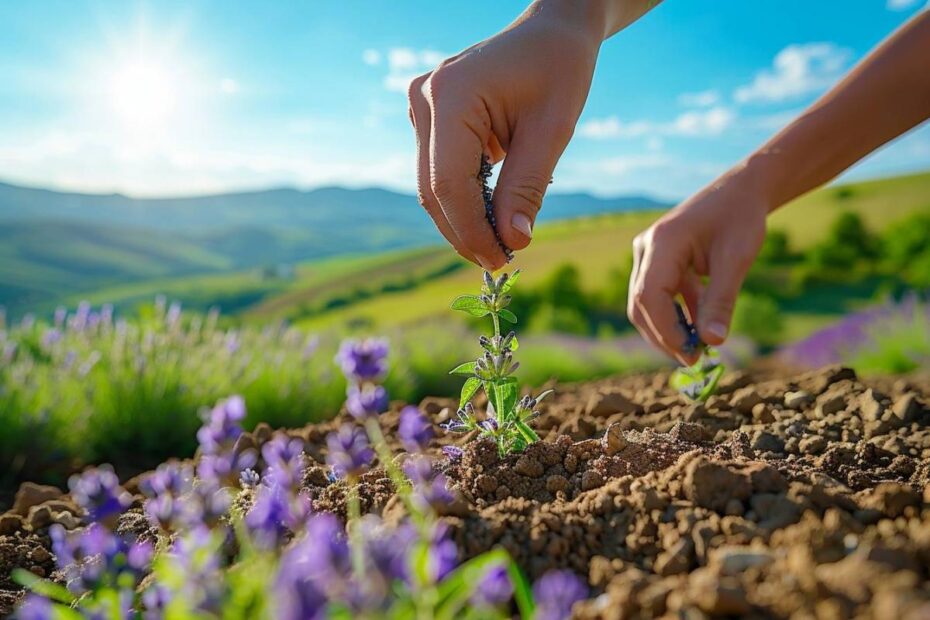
887	94
602	18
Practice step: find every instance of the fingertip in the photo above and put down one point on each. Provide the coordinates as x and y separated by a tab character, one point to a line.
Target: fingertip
519	233
713	332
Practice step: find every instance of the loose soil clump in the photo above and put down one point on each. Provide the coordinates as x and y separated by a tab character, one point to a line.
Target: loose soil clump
806	497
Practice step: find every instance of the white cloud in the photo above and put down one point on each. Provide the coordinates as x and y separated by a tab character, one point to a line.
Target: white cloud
797	70
404	64
710	122
371	57
701	99
901	5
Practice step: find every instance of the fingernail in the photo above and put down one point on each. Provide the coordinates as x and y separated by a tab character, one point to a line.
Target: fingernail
487	264
718	330
523	224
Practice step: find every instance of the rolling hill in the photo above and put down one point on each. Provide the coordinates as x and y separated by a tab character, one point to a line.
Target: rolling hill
54	244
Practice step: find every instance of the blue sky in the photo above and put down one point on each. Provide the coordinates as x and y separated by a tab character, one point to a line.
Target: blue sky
168	98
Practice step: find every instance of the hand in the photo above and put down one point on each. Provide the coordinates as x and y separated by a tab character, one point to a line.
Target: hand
518	94
716	233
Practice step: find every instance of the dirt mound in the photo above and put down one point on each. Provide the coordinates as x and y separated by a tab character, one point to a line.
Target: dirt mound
804	497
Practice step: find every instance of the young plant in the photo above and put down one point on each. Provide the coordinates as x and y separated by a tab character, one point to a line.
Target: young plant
507	418
697	382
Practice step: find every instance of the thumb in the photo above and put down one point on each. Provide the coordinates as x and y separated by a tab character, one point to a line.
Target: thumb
525	176
727	271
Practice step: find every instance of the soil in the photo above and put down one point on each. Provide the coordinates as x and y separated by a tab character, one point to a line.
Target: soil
805	498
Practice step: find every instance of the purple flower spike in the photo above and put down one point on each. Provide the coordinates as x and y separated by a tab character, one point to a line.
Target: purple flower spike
443	554
556	592
368	400
453	453
429	488
415	429
284	460
97	491
350	454
363	360
275	514
222	426
494	589
35	607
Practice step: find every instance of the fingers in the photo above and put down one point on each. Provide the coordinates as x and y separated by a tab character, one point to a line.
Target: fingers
459	131
728	268
525	177
657	278
420	118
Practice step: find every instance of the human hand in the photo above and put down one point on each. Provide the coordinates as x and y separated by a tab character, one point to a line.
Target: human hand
518	94
716	233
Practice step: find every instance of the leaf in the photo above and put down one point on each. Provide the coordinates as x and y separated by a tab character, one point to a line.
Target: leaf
454	592
46	588
681	378
507	396
507	315
470	304
468	390
526	432
711	386
544	395
514	344
510	281
522	593
467	369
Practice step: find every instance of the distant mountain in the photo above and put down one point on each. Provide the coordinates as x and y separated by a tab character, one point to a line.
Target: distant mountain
54	243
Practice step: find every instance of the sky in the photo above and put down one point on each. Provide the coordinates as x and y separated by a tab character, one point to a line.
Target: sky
203	96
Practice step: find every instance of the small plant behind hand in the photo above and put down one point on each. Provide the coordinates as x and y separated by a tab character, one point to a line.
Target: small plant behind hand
507	417
697	382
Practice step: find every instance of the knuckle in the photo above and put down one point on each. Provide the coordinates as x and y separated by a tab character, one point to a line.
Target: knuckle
443	186
530	190
415	89
439	82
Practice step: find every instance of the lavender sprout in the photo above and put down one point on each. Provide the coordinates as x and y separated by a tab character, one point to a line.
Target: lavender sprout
507	420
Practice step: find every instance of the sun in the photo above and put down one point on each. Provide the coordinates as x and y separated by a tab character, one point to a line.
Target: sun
144	93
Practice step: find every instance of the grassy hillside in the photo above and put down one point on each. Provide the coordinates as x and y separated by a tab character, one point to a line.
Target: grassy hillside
596	245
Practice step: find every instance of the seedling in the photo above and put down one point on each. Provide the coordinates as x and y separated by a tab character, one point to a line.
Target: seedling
697	382
507	417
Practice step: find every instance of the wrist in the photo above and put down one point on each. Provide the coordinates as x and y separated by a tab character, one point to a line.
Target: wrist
758	176
593	17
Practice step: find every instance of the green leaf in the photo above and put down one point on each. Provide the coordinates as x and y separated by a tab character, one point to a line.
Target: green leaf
526	432
514	344
467	369
510	281
507	315
522	593
711	386
468	390
682	378
470	304
507	395
457	588
48	589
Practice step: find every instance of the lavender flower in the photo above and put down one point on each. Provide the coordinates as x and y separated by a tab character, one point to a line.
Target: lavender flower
95	558
415	429
97	491
556	592
275	514
367	400
35	607
453	453
494	589
169	478
225	469
249	479
284	459
430	488
155	599
222	426
363	360
442	557
350	454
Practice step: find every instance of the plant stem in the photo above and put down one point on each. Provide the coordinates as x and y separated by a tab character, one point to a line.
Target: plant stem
354	511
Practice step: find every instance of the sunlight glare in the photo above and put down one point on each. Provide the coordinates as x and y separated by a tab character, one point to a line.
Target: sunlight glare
143	94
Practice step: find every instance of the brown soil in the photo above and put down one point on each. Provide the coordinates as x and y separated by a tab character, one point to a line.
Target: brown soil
805	498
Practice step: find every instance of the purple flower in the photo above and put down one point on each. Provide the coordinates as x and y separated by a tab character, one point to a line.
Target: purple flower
275	514
95	558
196	556
51	337
222	426
363	360
284	461
430	488
249	479
35	607
225	469
169	478
97	491
415	429
61	313
386	550
367	400
155	600
173	315
443	554
494	589
350	454
314	568
453	453
556	592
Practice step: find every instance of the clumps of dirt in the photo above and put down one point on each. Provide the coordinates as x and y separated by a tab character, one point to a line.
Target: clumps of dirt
800	497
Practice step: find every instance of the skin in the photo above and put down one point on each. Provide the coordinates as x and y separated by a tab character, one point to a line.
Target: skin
518	95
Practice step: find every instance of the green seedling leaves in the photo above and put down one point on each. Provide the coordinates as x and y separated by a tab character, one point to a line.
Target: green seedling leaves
468	390
470	304
507	315
510	282
467	369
